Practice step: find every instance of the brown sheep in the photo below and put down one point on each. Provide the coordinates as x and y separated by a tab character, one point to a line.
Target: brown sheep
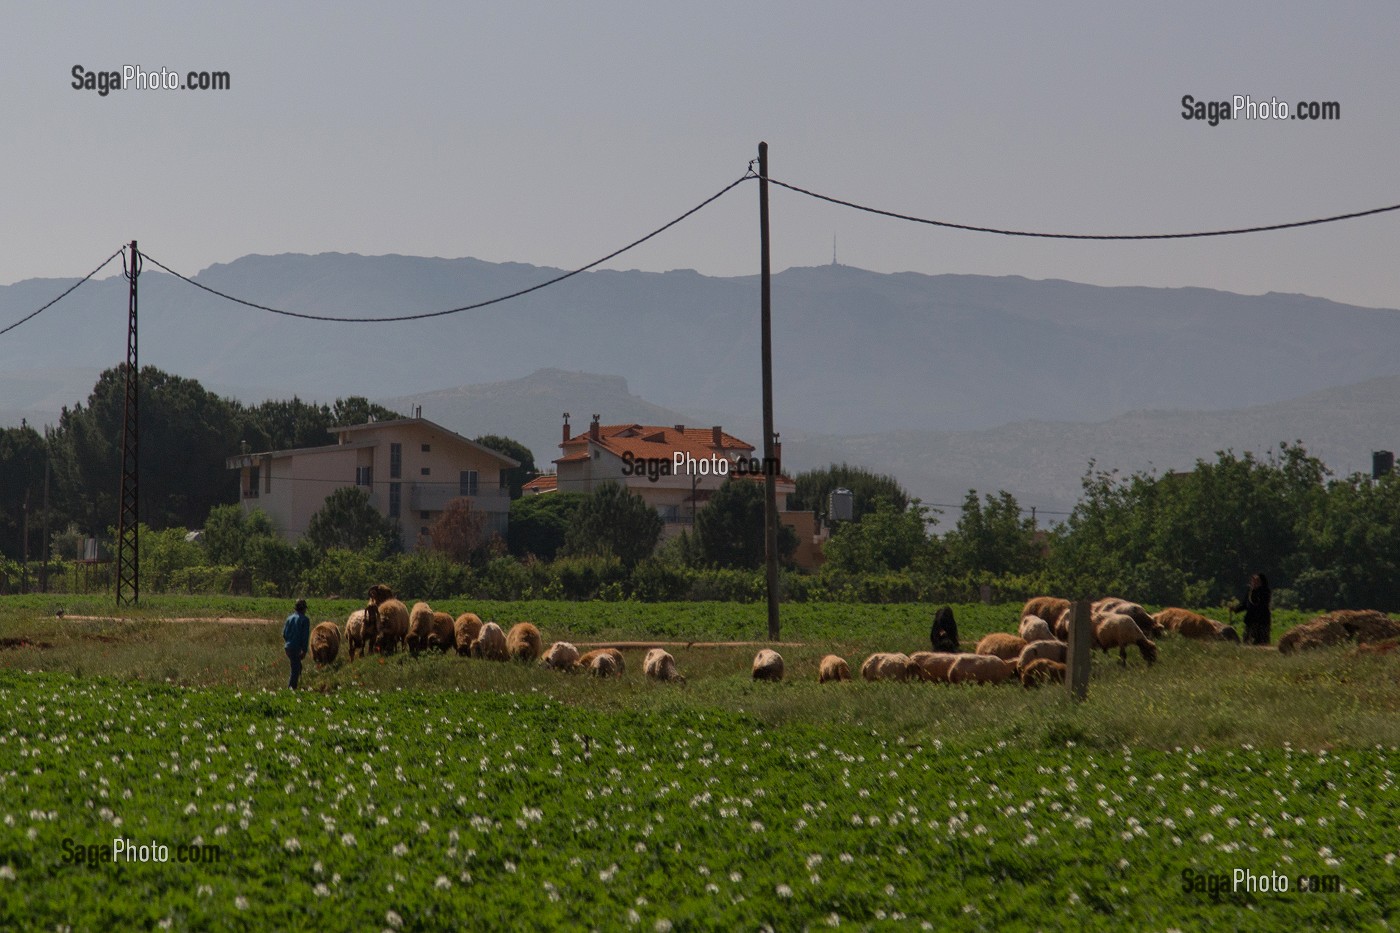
980	669
358	637
490	644
523	642
386	617
465	630
561	656
1034	628
420	624
1001	644
1361	625
1040	671
885	665
1115	630
1190	624
768	665
932	665
1049	608
833	668
659	665
325	642
612	666
1056	651
442	633
1113	604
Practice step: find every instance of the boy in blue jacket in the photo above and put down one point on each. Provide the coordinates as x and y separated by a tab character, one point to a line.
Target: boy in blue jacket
296	633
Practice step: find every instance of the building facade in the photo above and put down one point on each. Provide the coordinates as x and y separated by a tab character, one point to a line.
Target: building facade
411	469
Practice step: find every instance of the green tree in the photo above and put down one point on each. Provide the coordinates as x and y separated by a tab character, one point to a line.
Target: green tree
187	434
348	520
356	409
613	521
887	538
516	477
729	529
814	486
227	531
22	453
994	538
539	525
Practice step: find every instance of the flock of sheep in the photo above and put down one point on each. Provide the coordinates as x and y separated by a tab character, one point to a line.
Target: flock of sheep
386	622
1037	653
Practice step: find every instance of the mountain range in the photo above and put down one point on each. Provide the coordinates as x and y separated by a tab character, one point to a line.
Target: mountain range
948	381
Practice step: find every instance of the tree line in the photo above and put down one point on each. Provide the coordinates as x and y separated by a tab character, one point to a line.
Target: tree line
1189	538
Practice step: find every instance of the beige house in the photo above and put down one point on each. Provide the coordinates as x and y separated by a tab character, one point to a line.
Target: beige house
411	468
675	470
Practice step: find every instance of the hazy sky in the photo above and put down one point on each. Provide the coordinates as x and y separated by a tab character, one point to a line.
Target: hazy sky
552	133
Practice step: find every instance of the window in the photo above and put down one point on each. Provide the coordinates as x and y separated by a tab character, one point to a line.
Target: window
395	497
395	461
253	476
669	513
364	476
426	471
427	448
423	515
267	479
467	483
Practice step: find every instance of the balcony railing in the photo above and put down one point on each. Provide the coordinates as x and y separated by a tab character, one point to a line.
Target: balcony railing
432	497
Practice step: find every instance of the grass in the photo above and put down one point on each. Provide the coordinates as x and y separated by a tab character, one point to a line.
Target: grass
1202	694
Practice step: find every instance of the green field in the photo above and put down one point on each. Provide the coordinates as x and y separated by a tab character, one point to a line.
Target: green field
445	793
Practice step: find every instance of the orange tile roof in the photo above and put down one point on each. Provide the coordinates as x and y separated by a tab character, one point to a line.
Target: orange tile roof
647	441
546	482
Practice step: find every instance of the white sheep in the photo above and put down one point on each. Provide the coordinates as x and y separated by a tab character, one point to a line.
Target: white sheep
660	665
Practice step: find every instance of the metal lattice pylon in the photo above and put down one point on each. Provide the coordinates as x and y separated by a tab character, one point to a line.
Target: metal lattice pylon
128	538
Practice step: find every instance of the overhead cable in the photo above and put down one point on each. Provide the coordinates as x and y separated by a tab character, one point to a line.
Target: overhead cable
67	291
471	307
1084	236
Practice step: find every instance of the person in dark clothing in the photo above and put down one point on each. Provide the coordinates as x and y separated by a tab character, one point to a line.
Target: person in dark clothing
296	635
944	634
1258	620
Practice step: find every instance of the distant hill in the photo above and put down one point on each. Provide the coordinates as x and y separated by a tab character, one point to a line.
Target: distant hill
855	351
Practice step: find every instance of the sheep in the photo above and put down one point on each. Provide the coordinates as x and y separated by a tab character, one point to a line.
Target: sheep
1056	651
979	669
1034	628
1040	671
594	663
1049	608
490	644
442	633
885	666
561	656
420	623
1362	625
659	665
932	665
604	665
1115	630
768	665
386	617
1113	604
833	668
1002	645
465	629
523	642
325	642
1190	624
358	638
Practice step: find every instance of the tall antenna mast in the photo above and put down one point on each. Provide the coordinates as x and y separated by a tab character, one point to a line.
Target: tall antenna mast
833	249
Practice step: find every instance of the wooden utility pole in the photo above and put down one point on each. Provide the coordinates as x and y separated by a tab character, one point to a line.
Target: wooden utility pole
44	549
770	465
1081	637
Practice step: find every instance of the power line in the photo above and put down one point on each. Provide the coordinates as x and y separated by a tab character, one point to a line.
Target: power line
65	293
471	307
1084	236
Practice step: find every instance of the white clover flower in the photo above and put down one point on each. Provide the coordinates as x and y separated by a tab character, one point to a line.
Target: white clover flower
292	845
784	891
400	850
393	919
240	901
348	839
7	872
321	890
442	884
